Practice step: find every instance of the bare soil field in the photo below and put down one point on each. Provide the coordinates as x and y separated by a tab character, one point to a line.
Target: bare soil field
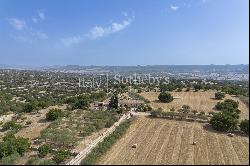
161	141
200	101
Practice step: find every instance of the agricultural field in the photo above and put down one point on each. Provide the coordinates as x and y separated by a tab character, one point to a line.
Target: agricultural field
200	101
161	141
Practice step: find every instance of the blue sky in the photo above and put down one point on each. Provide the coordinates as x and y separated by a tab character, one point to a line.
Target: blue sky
131	32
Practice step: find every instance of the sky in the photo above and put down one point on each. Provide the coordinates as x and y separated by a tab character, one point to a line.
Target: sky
124	32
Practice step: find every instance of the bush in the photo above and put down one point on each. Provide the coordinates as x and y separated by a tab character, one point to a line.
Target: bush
44	150
11	145
80	104
11	125
165	97
219	95
244	126
61	155
33	161
29	107
54	114
223	122
10	160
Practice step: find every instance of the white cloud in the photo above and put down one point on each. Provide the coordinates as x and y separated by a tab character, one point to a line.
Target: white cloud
72	40
98	31
41	15
17	24
35	20
174	7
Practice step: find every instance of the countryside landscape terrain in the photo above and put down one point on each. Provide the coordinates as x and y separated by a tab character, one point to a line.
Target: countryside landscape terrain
57	118
91	82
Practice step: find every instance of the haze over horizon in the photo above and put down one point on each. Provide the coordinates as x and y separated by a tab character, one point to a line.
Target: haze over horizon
198	32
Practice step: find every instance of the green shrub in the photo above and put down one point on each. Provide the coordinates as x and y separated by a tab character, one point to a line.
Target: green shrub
10	160
33	161
165	97
244	126
61	155
29	107
44	150
11	125
54	114
219	95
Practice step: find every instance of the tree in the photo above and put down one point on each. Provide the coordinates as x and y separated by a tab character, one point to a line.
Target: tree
165	97
244	126
223	122
113	103
54	114
219	95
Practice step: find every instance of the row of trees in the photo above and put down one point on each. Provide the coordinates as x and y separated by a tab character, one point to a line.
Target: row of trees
184	113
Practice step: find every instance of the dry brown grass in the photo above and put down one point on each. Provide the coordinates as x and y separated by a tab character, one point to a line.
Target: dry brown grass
161	141
200	101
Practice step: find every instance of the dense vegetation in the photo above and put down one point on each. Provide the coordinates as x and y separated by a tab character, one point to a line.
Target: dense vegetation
12	147
228	119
